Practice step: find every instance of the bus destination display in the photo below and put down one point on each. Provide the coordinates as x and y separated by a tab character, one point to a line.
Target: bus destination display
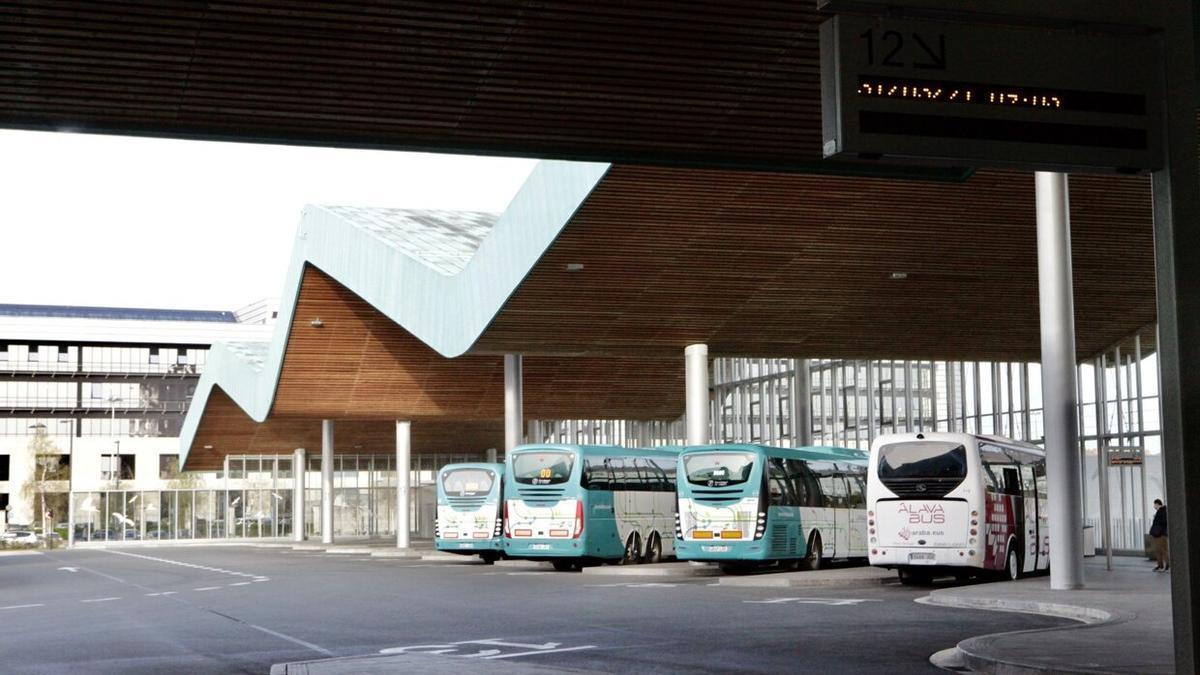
989	95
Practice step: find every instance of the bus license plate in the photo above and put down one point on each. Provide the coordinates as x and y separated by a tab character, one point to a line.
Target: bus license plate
922	558
715	549
539	547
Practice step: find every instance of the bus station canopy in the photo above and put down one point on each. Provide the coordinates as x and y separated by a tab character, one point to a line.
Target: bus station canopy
699	207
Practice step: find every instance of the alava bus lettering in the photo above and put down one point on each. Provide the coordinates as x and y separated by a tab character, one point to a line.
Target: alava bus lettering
923	514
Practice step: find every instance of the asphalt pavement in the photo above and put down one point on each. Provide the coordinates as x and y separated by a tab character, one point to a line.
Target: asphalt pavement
243	609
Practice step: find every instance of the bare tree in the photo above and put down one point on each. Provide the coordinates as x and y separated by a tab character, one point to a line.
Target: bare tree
48	470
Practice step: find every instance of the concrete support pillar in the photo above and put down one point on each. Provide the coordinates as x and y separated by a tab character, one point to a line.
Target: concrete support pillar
696	378
1058	381
298	508
326	481
802	405
513	405
403	478
491	455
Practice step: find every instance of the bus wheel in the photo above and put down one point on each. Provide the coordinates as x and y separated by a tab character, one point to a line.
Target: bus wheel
489	558
1012	568
816	552
633	549
653	550
563	565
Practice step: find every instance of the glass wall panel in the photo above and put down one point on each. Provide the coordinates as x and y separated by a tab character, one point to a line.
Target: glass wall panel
184	525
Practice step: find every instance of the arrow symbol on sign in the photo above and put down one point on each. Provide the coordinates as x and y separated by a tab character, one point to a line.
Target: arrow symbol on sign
70	569
937	59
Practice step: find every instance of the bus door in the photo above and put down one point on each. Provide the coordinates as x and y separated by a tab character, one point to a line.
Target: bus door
1043	515
837	496
1011	478
1030	523
856	513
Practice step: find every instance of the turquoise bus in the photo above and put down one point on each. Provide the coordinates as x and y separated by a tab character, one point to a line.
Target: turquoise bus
584	504
468	510
746	505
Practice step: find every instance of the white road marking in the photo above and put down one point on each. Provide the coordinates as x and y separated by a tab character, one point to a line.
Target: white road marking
70	569
241	583
834	602
22	606
316	648
632	585
100	599
543	651
218	570
207	588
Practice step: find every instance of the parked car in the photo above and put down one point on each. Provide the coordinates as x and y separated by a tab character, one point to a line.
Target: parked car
19	537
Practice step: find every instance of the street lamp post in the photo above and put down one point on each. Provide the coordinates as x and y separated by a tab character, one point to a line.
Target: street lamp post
70	482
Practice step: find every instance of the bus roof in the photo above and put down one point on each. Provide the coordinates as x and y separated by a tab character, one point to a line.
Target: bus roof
602	450
474	465
813	452
943	435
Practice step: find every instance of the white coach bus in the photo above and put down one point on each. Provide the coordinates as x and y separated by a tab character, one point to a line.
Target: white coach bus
953	503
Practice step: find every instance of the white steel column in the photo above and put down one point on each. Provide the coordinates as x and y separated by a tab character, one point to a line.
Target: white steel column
403	478
696	379
326	481
802	405
491	455
513	405
298	508
1058	381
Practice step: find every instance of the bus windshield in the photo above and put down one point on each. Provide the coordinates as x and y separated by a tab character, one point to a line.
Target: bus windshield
468	482
550	467
922	460
718	469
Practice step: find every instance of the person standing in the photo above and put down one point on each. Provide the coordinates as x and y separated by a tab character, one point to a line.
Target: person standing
1158	534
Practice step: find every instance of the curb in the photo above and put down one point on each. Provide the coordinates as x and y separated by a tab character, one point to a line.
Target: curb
972	651
806	580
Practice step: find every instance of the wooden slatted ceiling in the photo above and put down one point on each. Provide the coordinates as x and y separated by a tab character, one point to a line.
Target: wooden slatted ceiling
767	264
361	365
230	431
670	81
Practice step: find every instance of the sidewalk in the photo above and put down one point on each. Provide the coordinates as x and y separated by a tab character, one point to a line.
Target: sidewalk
1125	615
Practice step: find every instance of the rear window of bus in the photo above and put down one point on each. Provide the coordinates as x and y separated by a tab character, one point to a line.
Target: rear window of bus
718	469
922	460
542	468
467	482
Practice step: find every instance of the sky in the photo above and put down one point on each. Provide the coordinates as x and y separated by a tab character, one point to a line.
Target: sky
117	221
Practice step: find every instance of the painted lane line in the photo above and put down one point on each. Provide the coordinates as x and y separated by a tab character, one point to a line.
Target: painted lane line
832	602
542	651
23	606
207	588
316	648
180	563
100	599
241	583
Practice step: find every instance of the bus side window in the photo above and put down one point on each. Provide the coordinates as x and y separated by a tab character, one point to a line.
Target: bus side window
596	476
653	479
1028	488
781	492
800	478
668	469
857	498
1012	481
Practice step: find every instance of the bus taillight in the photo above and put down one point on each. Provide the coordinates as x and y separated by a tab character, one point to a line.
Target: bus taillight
506	532
578	519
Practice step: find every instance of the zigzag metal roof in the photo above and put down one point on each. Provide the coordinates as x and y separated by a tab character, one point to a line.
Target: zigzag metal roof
441	276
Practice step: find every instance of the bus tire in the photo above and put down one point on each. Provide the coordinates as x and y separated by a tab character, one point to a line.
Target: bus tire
564	565
653	549
633	549
489	558
1012	564
814	557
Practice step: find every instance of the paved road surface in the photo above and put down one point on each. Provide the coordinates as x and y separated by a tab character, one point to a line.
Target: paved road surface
241	609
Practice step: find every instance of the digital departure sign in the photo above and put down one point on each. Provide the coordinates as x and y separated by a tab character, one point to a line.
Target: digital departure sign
990	94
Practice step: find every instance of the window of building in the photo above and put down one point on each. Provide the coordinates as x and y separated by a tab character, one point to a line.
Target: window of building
4	467
3	500
63	355
4	354
33	354
118	467
168	466
182	358
154	355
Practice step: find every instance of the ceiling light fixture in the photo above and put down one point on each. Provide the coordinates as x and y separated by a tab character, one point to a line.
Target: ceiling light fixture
316	323
899	275
574	267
